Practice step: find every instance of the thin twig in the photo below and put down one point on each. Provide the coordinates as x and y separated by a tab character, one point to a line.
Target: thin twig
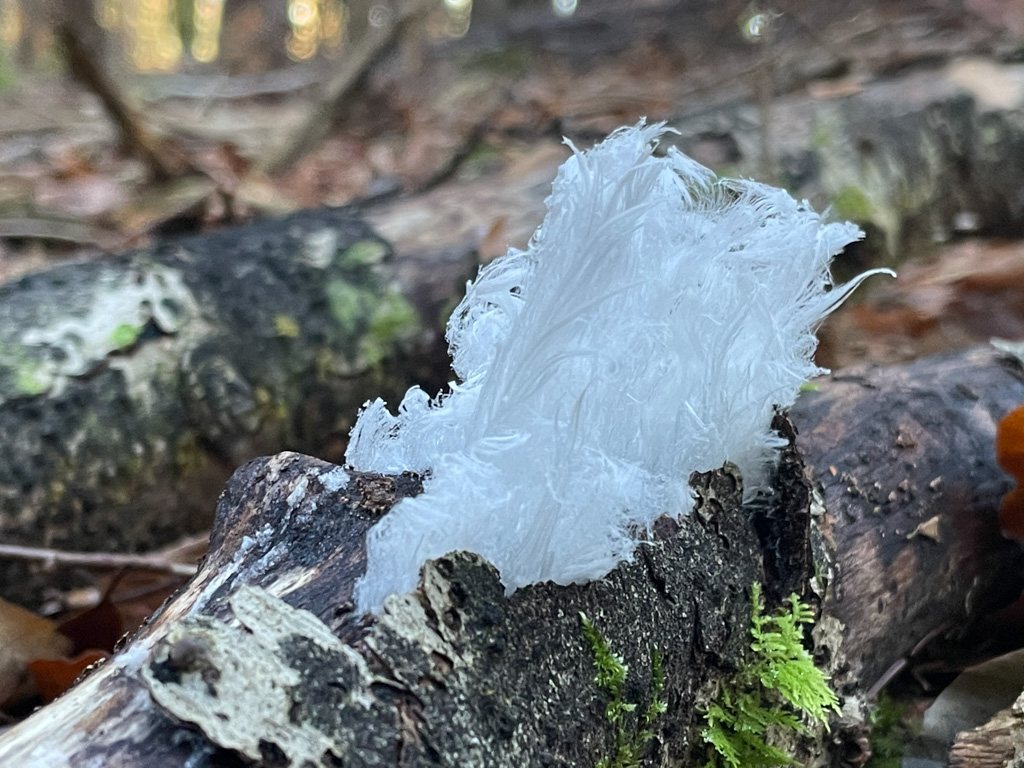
53	558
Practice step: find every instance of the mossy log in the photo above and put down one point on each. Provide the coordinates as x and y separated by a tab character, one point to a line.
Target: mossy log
131	387
912	159
262	660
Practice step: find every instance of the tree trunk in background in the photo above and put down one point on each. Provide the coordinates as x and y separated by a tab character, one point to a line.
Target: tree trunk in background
131	388
458	673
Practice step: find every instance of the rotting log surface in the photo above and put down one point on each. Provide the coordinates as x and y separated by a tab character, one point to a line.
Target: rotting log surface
131	388
905	457
458	673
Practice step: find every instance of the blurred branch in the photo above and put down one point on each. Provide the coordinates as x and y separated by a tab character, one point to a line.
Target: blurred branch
377	41
81	42
53	558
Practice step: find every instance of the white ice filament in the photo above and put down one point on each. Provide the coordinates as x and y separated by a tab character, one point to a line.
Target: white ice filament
657	317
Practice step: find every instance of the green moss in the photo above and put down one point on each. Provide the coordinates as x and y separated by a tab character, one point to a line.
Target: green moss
853	204
30	379
393	319
365	253
124	335
777	689
890	733
632	733
349	305
821	137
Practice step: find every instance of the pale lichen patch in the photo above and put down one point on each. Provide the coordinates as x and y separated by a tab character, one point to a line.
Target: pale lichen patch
239	687
109	320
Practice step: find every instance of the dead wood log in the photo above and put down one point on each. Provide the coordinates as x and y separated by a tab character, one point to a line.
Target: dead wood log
905	529
261	655
131	388
261	659
991	745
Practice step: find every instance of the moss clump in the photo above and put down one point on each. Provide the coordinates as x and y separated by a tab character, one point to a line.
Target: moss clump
124	335
365	253
393	319
853	204
778	689
286	327
891	730
630	740
31	380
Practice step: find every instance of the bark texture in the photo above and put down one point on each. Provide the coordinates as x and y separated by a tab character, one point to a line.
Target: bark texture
906	539
130	388
261	659
905	459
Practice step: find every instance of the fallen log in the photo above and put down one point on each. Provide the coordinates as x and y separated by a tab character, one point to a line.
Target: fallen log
904	457
458	673
131	387
262	660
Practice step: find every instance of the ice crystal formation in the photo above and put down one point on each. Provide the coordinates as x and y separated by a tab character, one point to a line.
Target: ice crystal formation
656	318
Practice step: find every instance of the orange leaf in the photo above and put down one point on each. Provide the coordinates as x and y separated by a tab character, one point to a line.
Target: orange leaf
1010	455
54	676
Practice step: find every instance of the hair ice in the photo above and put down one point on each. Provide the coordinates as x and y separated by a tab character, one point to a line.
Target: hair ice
656	319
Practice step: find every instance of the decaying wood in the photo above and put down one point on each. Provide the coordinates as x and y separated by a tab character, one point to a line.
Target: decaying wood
458	673
991	745
905	459
130	388
262	659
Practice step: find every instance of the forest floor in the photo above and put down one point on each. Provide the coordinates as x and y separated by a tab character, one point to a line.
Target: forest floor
447	123
453	144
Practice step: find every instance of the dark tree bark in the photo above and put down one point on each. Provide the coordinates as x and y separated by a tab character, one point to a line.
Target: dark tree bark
262	660
458	673
906	537
905	458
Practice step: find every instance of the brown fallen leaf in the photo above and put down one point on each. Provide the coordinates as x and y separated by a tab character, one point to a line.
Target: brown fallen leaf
97	629
25	637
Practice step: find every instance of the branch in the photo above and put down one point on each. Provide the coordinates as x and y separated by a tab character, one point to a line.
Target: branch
55	558
377	42
73	31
